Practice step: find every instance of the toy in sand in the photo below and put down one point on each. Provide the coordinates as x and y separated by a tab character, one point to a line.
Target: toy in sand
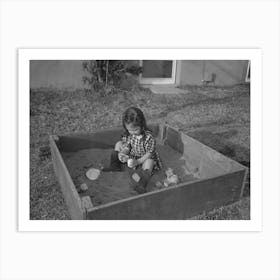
93	173
171	178
83	187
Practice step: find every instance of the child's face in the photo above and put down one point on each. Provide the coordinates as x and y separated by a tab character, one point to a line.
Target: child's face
133	130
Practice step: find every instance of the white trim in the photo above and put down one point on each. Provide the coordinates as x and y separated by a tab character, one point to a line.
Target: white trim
159	81
247	79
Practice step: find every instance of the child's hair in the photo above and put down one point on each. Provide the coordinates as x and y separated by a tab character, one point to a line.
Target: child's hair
134	116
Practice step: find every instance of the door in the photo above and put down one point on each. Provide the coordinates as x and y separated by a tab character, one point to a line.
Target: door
158	72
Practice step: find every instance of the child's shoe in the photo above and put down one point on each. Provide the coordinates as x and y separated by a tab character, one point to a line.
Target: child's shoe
115	163
140	179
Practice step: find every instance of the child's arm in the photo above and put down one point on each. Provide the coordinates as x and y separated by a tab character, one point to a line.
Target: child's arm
125	150
125	145
143	158
123	154
150	145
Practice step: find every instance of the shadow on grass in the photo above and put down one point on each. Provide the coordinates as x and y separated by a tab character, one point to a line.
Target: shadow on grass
192	101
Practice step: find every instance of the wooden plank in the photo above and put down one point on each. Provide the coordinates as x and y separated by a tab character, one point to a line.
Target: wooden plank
197	159
98	140
209	168
198	151
174	203
69	191
104	139
199	156
173	138
244	181
180	202
86	204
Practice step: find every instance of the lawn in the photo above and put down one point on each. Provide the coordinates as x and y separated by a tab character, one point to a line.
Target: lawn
218	117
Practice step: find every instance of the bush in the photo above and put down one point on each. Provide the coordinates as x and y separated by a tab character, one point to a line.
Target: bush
104	76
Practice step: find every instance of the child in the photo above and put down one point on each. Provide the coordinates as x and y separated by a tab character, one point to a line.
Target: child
137	147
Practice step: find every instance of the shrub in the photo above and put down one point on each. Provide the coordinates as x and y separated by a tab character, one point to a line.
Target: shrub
105	75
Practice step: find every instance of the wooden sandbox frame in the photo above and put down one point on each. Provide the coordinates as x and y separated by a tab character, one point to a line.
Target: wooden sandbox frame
220	180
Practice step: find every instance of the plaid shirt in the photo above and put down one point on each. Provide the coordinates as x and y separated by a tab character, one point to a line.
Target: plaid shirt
141	145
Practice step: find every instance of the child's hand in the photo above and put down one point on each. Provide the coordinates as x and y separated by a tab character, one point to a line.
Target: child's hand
122	157
124	150
132	163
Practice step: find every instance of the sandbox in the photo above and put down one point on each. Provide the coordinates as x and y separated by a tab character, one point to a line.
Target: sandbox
207	179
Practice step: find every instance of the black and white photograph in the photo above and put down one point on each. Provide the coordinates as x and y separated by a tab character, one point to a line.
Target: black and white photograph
140	139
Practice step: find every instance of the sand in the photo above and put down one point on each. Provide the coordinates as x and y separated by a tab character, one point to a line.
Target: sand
113	186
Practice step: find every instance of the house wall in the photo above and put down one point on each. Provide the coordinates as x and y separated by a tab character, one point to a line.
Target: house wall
56	73
59	73
69	73
228	72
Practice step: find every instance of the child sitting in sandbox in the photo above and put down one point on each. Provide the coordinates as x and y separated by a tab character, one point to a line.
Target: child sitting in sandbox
137	148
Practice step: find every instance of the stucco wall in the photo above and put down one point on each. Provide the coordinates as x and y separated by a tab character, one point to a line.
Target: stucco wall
69	73
56	73
228	72
59	73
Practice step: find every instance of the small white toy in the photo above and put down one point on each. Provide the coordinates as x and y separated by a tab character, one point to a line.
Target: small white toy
130	162
171	178
93	173
159	184
83	187
196	173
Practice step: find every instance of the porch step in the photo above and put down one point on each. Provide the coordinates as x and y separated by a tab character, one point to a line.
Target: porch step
165	89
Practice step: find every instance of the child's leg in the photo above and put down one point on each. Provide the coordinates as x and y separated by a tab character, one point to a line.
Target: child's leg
118	146
141	179
148	164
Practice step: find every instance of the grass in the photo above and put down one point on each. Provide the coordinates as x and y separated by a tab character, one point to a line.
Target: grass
216	116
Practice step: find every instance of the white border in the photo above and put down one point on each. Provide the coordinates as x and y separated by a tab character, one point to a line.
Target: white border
254	55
